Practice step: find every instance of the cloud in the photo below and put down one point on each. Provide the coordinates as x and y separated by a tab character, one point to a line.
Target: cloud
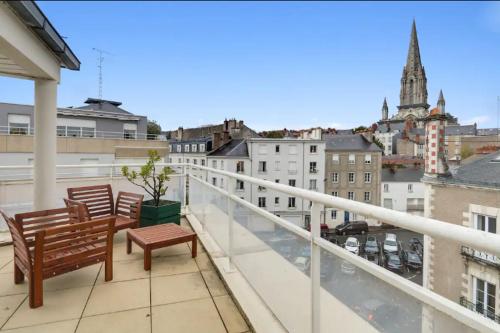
478	120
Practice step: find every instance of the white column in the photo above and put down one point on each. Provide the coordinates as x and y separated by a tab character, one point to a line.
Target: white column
45	144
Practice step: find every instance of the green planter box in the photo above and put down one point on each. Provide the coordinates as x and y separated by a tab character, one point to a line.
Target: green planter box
166	212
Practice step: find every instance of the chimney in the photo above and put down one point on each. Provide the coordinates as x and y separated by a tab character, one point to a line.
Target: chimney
216	140
226	125
435	159
225	137
240	124
180	133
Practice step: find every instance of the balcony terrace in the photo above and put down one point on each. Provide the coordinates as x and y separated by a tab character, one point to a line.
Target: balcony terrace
250	249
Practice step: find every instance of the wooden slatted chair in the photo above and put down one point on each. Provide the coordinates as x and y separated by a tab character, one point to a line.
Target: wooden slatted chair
53	242
98	201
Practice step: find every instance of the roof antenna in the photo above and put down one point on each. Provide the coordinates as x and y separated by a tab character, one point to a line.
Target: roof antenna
100	60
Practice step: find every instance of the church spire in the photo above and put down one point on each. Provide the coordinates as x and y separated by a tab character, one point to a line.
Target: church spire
385	110
413	95
441	103
413	62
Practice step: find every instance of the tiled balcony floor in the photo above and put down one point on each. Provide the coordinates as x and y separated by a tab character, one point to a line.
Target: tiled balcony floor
179	294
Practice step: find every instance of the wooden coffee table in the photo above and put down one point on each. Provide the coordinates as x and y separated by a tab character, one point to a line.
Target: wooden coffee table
159	236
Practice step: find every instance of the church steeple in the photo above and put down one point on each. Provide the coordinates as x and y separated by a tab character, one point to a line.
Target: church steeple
385	110
441	103
413	96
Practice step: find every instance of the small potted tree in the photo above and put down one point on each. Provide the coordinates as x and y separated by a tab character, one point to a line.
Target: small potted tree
154	182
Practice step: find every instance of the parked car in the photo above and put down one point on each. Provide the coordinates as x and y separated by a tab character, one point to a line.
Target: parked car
390	244
352	228
302	263
412	260
371	245
393	263
347	268
416	245
352	245
333	240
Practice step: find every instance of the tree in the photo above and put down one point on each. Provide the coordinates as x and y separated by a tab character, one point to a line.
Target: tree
378	143
360	129
152	182
154	129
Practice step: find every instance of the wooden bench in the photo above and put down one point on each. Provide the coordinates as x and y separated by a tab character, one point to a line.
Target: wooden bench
53	242
97	201
159	236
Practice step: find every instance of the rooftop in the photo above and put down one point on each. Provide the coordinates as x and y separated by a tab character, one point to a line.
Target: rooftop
354	142
484	172
402	174
181	293
234	148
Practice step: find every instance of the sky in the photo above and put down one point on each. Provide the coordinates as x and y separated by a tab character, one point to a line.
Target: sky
275	64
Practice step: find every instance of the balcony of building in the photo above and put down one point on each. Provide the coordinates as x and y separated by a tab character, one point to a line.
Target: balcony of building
279	276
479	308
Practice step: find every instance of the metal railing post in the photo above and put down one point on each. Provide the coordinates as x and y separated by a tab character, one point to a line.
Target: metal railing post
184	190
315	268
231	184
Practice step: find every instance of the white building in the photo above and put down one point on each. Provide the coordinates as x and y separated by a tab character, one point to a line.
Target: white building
232	157
293	162
402	190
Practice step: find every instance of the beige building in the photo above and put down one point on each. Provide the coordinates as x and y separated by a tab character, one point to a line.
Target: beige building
353	168
470	197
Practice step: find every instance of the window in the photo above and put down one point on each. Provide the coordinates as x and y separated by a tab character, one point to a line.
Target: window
262	149
186	148
410	188
352	159
88	132
485	223
170	160
129	131
240	166
261	188
86	128
202	147
291	182
335	193
335	177
312	184
334	214
277	165
179	160
484	297
313	149
262	202
368	159
262	166
350	195
214	181
179	147
368	177
187	160
19	124
386	188
240	186
388	203
277	181
291	202
194	148
195	161
335	158
292	149
312	167
222	165
214	164
277	149
351	177
203	162
222	183
292	167
276	200
368	196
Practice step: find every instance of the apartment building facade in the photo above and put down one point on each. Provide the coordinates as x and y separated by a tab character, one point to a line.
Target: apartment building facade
353	166
403	190
294	162
471	198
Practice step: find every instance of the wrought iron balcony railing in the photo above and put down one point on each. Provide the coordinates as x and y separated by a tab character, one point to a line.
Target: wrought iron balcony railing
479	308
